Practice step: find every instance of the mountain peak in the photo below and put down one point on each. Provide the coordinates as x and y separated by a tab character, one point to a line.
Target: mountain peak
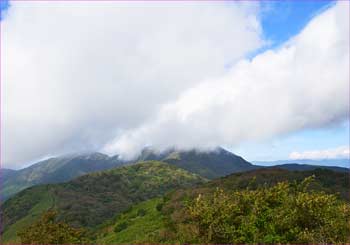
93	156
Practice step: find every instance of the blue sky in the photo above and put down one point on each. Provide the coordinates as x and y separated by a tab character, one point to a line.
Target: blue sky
284	19
4	4
305	140
280	21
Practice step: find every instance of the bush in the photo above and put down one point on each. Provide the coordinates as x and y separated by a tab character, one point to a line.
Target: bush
159	206
141	212
283	213
121	226
48	231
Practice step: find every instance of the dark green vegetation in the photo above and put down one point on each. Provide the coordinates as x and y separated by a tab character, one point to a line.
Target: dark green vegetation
89	200
54	170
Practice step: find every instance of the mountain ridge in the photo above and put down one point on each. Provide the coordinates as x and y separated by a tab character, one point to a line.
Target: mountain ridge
211	164
67	167
55	170
341	162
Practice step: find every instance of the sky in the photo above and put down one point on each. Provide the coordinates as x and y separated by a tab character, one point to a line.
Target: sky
267	80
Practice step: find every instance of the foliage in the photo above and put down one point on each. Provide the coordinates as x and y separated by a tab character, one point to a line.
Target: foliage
48	231
141	212
43	203
113	191
90	200
284	213
124	205
121	226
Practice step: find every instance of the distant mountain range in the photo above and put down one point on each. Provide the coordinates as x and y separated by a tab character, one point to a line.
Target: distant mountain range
210	165
305	167
344	162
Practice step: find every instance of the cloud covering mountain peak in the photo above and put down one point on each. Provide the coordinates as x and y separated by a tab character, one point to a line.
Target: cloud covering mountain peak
121	76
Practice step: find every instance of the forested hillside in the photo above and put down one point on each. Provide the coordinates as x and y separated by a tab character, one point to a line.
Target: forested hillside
252	207
91	199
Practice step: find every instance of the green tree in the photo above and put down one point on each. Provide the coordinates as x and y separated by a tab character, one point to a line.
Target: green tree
49	231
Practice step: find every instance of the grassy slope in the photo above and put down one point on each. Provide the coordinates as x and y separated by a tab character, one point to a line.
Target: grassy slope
139	228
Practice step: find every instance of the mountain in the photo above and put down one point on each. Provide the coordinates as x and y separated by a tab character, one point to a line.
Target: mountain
164	220
304	167
89	200
209	164
7	173
323	162
55	170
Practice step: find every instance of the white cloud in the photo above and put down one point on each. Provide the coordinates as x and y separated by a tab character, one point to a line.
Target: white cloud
339	152
119	76
75	75
303	84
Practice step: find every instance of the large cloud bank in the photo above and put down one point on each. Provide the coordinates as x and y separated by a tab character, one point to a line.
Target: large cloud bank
303	84
119	76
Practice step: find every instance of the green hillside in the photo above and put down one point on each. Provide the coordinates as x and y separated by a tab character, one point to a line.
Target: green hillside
55	170
155	202
167	220
89	200
25	210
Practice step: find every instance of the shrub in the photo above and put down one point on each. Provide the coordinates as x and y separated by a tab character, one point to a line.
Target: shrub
121	226
141	212
159	206
284	213
48	231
